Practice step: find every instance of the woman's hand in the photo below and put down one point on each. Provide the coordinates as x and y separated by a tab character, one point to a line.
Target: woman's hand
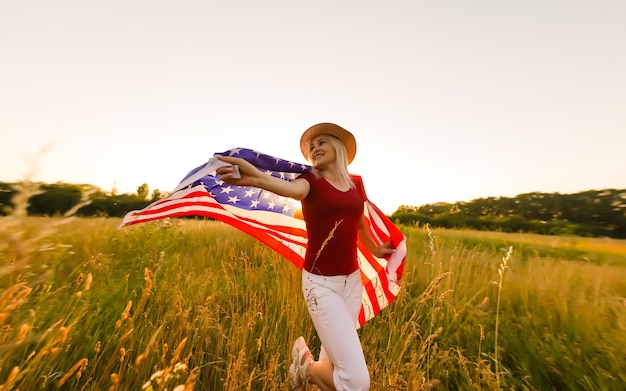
248	174
251	176
383	250
366	239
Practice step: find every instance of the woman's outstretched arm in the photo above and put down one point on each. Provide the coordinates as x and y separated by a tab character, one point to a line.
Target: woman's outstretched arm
251	176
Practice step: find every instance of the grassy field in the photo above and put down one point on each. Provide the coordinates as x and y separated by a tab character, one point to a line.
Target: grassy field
196	305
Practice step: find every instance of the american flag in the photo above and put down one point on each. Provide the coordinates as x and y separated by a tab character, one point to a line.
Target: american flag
277	221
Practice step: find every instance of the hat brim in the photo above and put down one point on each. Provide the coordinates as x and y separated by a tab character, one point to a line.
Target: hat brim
334	130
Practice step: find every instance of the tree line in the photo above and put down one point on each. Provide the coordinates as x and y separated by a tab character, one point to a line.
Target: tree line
59	198
594	213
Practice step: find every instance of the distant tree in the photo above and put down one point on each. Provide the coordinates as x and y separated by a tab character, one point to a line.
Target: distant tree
56	198
99	205
143	191
6	195
156	195
404	218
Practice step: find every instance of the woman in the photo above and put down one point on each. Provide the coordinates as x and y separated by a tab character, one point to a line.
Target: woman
332	206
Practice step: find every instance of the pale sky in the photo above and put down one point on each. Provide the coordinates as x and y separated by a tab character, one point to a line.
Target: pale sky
449	100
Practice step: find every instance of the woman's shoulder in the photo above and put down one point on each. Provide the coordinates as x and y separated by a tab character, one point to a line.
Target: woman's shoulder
358	183
308	175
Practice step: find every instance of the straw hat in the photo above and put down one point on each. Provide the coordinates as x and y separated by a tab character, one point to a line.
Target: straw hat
334	130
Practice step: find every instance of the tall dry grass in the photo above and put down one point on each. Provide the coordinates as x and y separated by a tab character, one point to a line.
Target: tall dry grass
196	305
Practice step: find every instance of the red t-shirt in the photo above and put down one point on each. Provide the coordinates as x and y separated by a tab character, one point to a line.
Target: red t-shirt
332	220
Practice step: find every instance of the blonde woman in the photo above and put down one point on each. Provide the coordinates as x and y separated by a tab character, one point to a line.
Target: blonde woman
332	207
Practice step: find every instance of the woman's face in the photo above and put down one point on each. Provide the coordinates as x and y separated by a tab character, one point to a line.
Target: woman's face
321	152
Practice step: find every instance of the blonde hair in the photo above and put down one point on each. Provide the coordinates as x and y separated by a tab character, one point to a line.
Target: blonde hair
342	160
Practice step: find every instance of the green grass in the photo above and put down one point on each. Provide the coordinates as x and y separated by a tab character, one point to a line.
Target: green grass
199	305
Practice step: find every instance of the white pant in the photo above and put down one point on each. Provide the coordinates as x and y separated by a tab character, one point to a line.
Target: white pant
334	303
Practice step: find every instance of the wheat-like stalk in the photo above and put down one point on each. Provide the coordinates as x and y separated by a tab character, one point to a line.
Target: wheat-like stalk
328	238
503	266
431	240
325	242
78	368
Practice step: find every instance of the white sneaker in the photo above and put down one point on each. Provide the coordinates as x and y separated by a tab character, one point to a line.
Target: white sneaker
294	376
297	370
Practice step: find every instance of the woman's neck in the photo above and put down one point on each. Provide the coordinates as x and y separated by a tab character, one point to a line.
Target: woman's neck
329	173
